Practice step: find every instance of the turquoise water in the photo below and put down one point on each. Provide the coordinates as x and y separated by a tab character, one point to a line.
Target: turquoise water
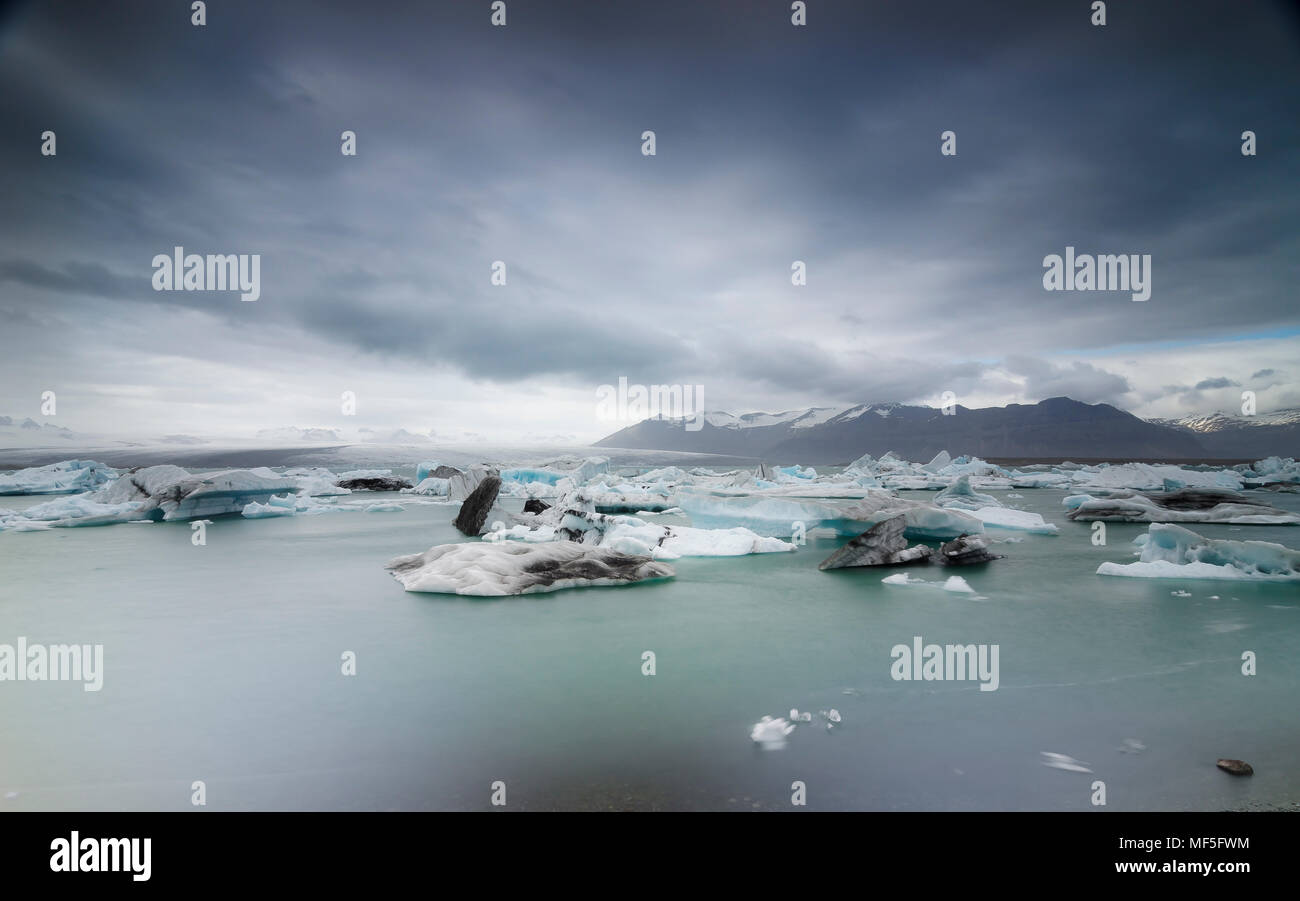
222	664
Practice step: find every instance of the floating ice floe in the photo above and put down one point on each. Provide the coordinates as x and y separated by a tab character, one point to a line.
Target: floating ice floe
431	487
960	496
1180	505
496	569
1152	477
316	481
771	733
1172	552
67	477
953	583
631	535
578	471
159	493
881	545
1064	762
776	516
1015	520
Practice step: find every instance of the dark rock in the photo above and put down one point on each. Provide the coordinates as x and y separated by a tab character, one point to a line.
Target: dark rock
534	505
881	545
1235	767
376	484
444	472
474	510
965	550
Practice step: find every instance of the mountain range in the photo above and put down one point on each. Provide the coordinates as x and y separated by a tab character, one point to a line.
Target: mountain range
1056	428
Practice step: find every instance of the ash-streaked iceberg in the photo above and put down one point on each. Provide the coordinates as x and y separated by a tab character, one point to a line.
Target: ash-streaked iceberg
159	493
1182	505
881	545
1173	552
498	569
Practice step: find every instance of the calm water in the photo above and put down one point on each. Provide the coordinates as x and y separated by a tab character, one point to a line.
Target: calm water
223	665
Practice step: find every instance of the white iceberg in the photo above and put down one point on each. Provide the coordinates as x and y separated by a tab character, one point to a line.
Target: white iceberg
1172	552
631	535
771	733
776	516
1017	520
67	477
952	583
430	487
960	496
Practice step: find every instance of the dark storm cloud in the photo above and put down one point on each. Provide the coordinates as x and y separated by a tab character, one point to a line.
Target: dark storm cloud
1220	382
774	143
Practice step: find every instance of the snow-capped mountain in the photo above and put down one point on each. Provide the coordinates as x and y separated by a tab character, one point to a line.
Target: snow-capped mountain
1226	435
1054	428
1219	421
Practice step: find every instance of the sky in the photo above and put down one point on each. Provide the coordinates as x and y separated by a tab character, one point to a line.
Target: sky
523	144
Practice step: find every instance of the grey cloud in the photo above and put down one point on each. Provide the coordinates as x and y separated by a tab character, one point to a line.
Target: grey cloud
1081	381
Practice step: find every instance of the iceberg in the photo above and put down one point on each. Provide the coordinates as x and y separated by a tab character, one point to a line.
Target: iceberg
171	493
881	545
316	481
966	550
771	733
1172	552
776	516
960	496
161	493
631	535
486	569
941	460
67	477
1150	477
431	487
1182	505
954	584
580	470
293	505
76	510
1017	520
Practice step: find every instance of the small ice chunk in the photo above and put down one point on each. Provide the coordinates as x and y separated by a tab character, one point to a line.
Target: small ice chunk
771	733
1064	762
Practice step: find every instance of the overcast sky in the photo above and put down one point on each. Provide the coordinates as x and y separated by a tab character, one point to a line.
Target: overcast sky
523	144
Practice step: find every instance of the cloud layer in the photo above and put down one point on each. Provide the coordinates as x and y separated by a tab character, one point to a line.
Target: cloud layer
523	144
